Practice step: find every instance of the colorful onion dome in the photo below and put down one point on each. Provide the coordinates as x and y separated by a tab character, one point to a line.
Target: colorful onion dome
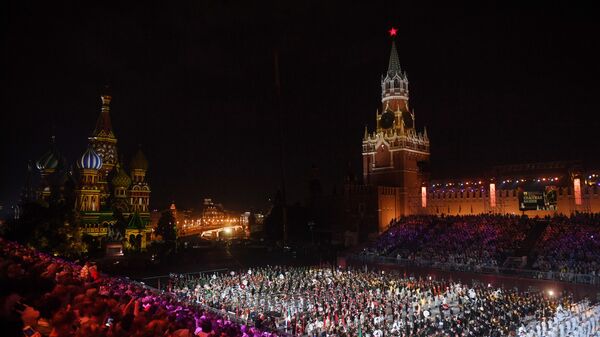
90	160
139	161
121	179
50	160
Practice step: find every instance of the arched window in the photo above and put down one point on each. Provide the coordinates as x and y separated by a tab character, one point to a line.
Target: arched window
383	156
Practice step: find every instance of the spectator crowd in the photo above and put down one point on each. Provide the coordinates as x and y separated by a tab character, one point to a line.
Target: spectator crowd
43	295
567	244
570	245
48	296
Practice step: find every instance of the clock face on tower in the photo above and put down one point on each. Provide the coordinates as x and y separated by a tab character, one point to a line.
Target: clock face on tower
387	119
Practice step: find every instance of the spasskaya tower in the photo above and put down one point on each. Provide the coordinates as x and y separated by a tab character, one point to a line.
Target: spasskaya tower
394	153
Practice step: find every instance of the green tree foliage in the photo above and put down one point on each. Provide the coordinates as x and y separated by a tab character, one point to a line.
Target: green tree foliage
52	228
167	234
166	227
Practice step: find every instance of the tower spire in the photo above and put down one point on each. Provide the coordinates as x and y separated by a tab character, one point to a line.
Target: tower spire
103	124
394	63
394	84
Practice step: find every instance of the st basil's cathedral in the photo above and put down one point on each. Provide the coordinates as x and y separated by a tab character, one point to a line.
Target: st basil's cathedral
112	203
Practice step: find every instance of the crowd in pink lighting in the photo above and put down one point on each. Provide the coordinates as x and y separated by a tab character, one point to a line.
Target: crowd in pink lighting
55	298
566	245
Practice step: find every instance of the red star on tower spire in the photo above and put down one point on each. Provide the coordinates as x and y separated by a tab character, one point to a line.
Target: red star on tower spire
393	32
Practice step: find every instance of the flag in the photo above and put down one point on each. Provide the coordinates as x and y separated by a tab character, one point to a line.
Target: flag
359	331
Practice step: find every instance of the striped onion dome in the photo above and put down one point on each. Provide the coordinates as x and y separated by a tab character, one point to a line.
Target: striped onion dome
90	160
121	179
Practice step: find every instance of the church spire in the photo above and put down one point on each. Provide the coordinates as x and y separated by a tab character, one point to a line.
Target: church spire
103	124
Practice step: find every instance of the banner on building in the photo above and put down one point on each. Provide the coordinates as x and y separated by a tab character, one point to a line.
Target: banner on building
543	198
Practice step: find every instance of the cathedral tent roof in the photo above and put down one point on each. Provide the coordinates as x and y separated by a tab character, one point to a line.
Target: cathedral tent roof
103	124
136	222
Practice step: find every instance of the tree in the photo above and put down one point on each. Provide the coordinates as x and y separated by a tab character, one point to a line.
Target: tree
166	227
53	228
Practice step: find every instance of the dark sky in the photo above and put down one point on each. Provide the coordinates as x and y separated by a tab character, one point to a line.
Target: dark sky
193	83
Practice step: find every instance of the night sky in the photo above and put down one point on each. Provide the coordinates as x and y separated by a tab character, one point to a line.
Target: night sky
194	85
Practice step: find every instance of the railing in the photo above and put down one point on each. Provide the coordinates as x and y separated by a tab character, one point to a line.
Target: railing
483	269
161	282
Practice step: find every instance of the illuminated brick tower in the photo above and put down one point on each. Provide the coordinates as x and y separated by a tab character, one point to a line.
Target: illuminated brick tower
393	154
104	142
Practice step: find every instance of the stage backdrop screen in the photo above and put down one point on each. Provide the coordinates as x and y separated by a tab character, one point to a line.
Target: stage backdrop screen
533	198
